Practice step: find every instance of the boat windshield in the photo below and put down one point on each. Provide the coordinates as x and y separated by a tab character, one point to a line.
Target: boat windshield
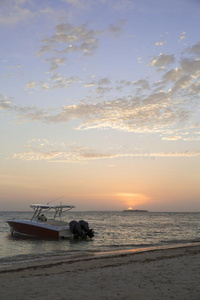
58	209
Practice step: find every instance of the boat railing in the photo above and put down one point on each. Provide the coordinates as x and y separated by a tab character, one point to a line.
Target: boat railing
59	209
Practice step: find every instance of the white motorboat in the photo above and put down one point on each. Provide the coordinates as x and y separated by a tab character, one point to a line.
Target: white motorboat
42	226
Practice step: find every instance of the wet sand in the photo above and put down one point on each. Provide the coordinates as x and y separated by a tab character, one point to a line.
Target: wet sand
172	273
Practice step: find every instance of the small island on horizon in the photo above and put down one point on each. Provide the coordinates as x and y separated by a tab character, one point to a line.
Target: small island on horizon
135	210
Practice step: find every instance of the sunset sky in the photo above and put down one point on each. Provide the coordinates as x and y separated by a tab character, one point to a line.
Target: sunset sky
99	104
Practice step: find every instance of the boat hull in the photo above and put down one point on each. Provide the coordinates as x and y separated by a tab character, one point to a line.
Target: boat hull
37	229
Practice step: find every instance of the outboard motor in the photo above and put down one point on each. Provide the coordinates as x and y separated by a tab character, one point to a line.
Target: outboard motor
75	228
85	227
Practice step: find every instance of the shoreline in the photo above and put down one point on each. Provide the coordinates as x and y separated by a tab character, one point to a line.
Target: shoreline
38	259
164	273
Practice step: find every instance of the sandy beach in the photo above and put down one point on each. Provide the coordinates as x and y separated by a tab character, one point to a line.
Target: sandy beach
157	274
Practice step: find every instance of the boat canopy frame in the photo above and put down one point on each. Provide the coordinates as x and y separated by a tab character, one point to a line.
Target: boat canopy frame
59	209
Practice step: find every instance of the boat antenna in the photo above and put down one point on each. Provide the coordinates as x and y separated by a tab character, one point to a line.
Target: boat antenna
54	200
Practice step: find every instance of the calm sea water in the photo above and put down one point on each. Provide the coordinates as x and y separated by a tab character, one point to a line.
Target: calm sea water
113	231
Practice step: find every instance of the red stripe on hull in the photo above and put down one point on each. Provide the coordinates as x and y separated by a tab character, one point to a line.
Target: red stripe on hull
33	230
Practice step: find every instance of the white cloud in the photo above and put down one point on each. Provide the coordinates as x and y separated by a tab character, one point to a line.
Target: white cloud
76	39
55	62
68	38
158	107
160	43
182	37
173	138
30	85
177	154
186	139
156	112
90	84
102	85
57	81
52	152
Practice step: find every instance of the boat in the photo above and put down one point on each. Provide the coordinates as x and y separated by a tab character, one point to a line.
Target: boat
40	225
135	210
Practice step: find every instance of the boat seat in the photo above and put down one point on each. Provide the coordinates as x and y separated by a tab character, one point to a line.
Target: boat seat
42	218
56	222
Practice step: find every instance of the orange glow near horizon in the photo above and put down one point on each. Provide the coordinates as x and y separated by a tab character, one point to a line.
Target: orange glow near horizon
132	200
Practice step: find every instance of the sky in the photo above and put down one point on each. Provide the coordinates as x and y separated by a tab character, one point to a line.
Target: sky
99	104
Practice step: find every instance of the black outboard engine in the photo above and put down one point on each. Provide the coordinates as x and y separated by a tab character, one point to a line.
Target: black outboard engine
75	228
85	227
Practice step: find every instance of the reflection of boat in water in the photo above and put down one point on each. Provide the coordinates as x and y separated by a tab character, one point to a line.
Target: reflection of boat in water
42	226
135	210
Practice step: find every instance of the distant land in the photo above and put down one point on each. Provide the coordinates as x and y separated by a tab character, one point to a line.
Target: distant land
135	210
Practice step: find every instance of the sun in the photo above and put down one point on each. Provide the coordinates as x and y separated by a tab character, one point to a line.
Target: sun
130	208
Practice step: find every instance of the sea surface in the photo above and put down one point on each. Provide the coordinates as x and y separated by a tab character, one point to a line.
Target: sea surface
113	231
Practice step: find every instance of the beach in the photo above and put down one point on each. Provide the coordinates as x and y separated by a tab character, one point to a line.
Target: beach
172	273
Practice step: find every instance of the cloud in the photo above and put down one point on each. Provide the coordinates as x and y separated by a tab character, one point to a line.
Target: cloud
156	112
160	43
90	84
190	65
56	81
177	154
55	62
80	4
69	38
100	86
173	74
5	104
24	113
53	152
164	107
49	151
31	85
173	138
103	85
182	37
176	138
142	83
116	29
163	60
73	39
14	12
186	77
89	4
104	81
195	49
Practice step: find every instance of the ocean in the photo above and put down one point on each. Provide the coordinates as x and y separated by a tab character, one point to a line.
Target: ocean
113	231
